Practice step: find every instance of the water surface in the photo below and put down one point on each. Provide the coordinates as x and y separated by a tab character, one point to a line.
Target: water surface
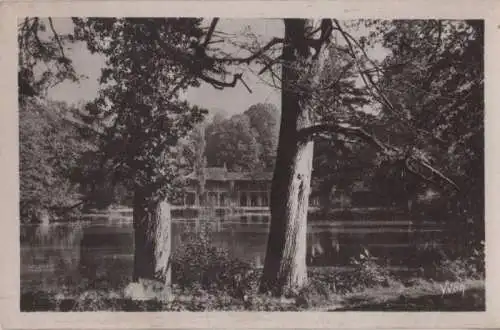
98	248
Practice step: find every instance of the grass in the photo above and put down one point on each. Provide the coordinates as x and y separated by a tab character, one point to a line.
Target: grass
424	295
328	290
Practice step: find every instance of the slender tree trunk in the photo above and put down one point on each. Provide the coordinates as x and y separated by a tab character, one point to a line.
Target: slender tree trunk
152	227
285	263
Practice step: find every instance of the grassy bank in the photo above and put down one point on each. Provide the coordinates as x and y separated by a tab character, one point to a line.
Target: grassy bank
327	291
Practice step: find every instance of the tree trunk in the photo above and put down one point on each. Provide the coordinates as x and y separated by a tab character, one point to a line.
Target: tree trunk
152	227
285	263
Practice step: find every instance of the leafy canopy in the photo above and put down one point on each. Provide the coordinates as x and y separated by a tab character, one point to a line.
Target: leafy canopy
147	65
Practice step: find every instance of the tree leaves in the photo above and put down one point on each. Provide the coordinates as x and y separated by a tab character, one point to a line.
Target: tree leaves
245	142
42	60
50	151
148	63
440	89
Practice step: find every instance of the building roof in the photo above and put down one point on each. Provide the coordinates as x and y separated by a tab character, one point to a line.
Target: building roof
250	176
216	173
222	174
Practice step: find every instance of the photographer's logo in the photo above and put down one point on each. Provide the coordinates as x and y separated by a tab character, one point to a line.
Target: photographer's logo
451	288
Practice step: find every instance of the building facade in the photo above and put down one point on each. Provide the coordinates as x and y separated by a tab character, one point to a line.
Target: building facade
226	194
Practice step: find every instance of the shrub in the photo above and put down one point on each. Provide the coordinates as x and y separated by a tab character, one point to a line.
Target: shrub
477	259
459	269
452	270
197	264
368	272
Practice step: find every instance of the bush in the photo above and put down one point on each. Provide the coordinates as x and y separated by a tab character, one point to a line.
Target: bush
477	259
459	269
197	264
452	270
369	272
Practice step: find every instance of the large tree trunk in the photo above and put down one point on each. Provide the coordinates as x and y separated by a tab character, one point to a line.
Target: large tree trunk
285	264
152	227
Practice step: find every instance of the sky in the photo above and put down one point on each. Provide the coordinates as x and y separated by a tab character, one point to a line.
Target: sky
228	101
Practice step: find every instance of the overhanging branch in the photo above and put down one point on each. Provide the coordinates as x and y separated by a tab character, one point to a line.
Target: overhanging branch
56	37
371	85
391	151
434	172
326	29
270	64
309	132
210	32
218	84
247	59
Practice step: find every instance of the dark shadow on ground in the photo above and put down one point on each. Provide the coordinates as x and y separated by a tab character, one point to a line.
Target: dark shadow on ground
470	300
43	302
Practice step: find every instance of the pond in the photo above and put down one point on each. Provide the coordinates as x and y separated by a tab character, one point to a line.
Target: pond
62	254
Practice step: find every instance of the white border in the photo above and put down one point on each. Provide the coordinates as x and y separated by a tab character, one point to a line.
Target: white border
10	317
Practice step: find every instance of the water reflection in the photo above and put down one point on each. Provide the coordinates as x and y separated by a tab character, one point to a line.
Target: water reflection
63	254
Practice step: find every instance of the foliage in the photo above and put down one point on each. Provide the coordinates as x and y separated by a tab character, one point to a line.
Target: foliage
327	290
440	260
454	270
193	152
244	142
477	258
339	160
436	71
198	264
149	61
42	59
264	120
232	143
194	146
369	271
51	148
139	99
471	265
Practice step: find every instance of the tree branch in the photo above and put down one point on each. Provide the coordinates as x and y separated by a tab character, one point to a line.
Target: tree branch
432	135
34	30
391	151
269	64
250	58
210	32
200	56
370	83
345	69
433	170
326	28
274	77
308	132
56	36
367	79
177	87
348	37
218	84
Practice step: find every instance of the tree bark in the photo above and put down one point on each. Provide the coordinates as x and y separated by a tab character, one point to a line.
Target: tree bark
285	263
152	230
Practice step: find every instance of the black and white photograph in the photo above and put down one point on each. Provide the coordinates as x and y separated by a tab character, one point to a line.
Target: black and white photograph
204	164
